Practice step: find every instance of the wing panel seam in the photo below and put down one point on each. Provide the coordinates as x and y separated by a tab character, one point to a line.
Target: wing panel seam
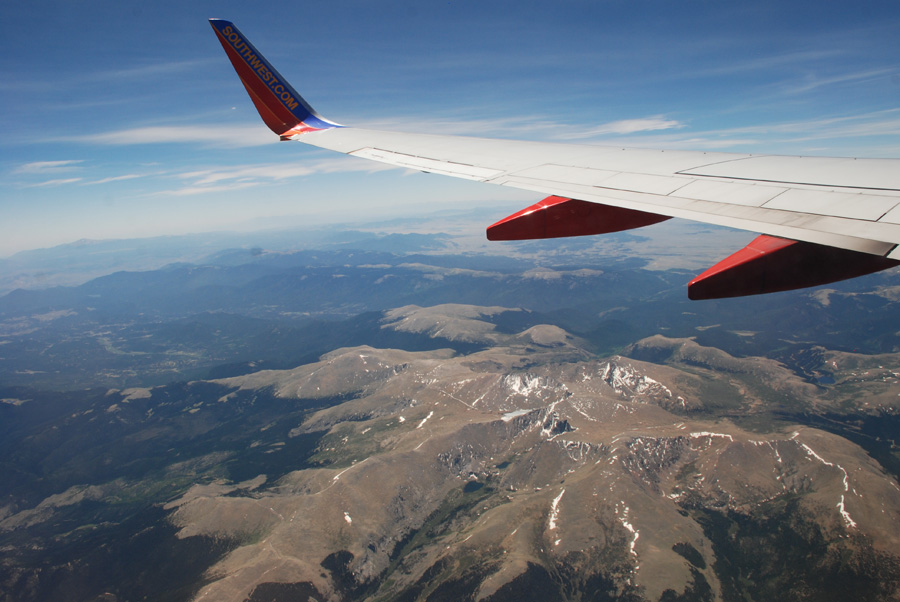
787	182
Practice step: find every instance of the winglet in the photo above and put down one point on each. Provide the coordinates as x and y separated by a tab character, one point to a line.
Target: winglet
279	105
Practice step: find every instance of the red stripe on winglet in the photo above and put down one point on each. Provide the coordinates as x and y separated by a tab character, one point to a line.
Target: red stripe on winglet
273	113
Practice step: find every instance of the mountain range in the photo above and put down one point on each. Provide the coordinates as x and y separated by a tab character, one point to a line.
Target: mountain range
377	424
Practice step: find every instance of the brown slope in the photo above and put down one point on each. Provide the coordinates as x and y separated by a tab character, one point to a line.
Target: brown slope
486	473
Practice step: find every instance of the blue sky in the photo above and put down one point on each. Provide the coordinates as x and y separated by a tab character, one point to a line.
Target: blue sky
124	119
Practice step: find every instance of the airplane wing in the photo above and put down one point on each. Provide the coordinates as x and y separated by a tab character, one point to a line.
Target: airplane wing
821	219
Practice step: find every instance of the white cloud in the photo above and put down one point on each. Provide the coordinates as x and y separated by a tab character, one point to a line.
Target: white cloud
56	182
767	63
48	167
281	171
235	177
130	176
272	172
624	127
195	190
154	69
784	137
812	82
661	132
210	135
526	127
878	123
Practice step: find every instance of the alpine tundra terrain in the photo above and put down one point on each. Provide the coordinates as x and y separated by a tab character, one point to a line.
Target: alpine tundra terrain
531	469
374	424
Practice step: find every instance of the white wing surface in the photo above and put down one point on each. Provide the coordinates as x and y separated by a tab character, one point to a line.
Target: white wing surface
846	203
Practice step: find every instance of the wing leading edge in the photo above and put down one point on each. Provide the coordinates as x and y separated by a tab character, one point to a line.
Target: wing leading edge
822	219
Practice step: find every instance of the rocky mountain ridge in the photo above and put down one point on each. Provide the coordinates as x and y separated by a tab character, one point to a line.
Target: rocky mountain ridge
528	468
475	473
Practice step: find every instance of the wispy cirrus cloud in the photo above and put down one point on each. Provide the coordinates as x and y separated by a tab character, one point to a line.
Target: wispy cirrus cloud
196	190
69	81
142	72
54	182
663	132
121	178
528	127
237	177
870	124
784	137
876	123
519	126
624	127
813	82
211	135
765	63
48	167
